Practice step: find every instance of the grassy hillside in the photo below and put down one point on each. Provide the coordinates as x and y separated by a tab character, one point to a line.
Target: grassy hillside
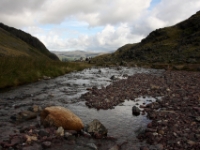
28	39
24	62
178	44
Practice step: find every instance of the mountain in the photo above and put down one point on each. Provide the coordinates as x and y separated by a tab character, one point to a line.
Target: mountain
75	55
14	42
178	44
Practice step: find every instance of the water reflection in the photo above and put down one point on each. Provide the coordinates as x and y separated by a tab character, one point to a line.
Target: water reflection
119	121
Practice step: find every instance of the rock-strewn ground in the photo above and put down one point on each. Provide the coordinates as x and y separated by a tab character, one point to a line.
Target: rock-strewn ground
175	117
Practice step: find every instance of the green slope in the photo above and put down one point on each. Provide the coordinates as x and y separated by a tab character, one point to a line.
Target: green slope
178	44
13	38
24	59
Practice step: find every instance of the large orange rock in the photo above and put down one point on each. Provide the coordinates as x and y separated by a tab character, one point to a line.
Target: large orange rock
60	116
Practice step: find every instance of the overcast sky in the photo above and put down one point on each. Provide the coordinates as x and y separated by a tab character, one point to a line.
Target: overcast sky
93	25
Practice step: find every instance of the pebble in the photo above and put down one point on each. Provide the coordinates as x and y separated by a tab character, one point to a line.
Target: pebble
60	131
46	144
92	146
33	147
69	136
43	132
144	148
159	147
116	147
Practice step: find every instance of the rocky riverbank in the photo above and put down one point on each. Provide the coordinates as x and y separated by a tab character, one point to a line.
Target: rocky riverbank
170	99
175	115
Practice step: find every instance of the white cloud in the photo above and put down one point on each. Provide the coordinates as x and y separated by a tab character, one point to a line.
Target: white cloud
120	21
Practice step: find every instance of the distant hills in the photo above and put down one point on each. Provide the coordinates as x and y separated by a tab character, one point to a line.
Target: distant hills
15	43
75	55
178	44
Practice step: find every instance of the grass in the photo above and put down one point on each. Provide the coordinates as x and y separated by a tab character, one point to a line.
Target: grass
15	71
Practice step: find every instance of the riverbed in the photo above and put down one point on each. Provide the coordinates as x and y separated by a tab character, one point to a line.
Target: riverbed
66	91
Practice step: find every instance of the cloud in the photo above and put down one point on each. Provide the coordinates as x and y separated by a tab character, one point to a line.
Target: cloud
101	12
19	13
93	25
109	39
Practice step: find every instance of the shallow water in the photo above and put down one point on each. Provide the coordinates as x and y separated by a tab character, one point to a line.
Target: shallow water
66	91
119	121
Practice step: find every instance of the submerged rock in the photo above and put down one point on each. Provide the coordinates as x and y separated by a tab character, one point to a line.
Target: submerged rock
97	129
60	116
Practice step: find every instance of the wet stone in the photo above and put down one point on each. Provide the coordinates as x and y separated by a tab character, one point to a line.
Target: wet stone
135	111
97	128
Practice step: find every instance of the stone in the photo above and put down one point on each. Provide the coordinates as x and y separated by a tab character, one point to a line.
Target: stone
197	118
135	111
33	147
46	144
35	108
96	127
60	116
69	136
60	131
43	132
161	132
159	147
144	148
113	77
29	139
24	116
115	147
46	78
15	141
92	146
191	142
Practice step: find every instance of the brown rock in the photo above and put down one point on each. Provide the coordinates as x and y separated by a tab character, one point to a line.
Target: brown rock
97	128
60	116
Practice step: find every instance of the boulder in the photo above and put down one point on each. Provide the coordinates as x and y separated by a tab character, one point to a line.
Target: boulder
97	128
60	116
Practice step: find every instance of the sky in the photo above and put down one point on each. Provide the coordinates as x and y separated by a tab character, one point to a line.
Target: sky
93	25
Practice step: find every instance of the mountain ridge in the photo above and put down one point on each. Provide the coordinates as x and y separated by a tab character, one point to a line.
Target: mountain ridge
177	44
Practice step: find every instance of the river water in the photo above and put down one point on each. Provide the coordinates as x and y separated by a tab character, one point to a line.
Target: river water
66	91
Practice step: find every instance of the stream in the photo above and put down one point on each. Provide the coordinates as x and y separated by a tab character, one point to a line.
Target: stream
66	91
